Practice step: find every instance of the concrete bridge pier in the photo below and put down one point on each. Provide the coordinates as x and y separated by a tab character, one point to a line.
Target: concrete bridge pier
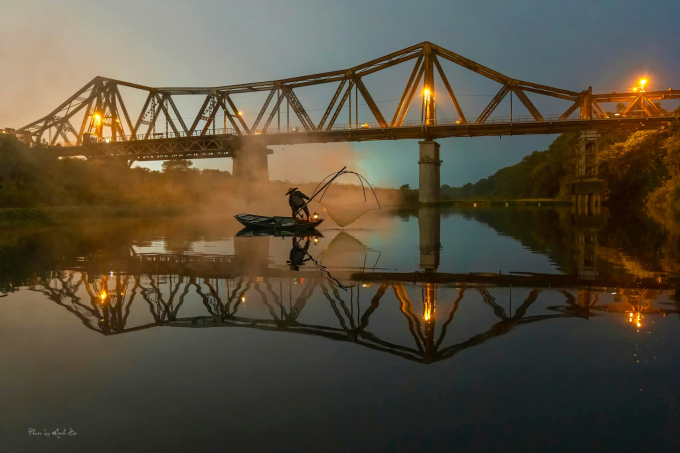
586	228
587	189
587	203
250	163
429	229
429	180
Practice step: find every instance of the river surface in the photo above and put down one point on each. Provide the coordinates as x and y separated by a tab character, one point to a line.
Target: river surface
488	329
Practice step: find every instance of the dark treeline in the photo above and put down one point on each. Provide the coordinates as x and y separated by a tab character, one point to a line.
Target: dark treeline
637	168
35	178
541	174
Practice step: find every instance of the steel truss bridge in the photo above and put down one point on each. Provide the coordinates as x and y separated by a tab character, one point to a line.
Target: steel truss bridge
109	129
105	305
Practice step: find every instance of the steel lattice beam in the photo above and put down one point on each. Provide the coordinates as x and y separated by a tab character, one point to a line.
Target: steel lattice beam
101	96
493	104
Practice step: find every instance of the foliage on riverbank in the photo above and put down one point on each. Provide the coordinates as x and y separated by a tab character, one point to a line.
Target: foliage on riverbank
637	168
34	183
89	214
541	174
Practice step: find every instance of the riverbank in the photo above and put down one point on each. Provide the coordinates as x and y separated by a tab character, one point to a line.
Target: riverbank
70	214
471	202
59	215
520	202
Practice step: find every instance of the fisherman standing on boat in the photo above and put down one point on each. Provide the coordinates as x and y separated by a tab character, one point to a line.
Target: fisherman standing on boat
296	200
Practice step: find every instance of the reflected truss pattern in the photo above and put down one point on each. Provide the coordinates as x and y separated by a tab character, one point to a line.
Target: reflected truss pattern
111	299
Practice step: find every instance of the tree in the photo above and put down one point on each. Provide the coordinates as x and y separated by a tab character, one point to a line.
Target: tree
177	165
405	187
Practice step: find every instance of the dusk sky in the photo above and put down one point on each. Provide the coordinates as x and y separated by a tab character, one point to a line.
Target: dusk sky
50	49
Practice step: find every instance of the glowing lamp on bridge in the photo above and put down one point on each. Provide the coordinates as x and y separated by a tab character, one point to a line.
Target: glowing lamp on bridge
98	119
103	296
642	84
240	113
316	216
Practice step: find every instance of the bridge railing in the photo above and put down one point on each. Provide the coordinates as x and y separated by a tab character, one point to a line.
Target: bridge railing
453	122
342	127
418	123
299	129
169	134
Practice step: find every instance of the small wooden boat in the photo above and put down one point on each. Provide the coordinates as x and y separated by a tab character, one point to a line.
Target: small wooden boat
276	223
252	233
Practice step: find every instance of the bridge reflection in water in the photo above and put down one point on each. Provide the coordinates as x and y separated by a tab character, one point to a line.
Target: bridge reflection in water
425	317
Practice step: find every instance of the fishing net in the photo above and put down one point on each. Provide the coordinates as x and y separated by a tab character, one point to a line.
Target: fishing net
343	249
346	213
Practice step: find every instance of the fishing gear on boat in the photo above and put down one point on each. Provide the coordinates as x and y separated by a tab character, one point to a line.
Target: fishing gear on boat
344	214
317	192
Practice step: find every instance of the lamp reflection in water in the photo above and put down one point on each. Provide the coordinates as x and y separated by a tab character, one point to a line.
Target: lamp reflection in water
635	318
429	302
429	309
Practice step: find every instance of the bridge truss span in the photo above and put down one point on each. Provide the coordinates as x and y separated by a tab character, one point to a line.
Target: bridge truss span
97	120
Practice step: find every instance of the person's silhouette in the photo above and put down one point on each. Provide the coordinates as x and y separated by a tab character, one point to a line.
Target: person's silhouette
298	254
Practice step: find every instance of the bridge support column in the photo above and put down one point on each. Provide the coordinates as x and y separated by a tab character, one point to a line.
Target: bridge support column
429	181
250	163
587	227
587	189
429	229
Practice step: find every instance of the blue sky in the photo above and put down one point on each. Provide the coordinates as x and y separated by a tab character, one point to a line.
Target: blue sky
50	49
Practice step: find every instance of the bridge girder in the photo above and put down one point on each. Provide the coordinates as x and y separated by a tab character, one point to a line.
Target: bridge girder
196	147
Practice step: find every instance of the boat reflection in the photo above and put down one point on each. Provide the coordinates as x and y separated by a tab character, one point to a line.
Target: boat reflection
249	233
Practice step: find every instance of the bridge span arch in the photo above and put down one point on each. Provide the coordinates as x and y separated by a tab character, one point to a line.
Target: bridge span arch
95	121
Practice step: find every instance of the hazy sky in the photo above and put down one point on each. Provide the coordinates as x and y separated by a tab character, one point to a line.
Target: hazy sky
50	49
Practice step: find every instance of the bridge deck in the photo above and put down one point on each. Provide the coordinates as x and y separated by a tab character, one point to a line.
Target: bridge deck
223	145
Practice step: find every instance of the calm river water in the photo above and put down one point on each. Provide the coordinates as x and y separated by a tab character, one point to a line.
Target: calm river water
488	329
